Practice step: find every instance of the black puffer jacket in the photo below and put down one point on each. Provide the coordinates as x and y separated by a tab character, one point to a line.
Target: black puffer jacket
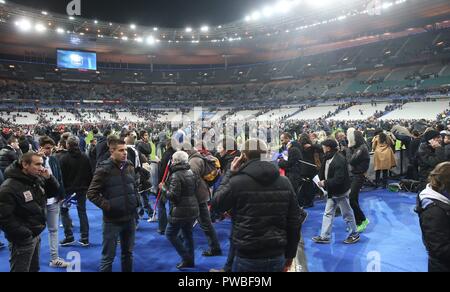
181	190
7	156
114	190
428	159
266	214
23	201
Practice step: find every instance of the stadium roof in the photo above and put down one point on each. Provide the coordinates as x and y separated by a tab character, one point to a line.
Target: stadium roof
250	40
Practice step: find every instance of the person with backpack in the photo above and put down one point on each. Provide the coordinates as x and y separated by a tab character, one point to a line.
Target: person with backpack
433	207
203	167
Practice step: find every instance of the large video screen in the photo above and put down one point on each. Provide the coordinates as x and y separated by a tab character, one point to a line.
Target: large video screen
77	60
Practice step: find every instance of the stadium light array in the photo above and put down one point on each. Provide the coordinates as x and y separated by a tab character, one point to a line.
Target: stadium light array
60	30
23	25
204	28
155	29
188	29
133	26
151	40
44	13
2	2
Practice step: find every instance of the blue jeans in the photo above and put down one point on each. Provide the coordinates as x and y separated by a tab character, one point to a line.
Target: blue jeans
53	226
111	233
258	265
180	236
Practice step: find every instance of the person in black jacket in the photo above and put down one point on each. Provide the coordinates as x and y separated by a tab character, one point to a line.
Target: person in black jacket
10	153
292	165
433	207
335	180
114	190
163	166
22	209
266	215
77	176
430	154
180	189
310	154
359	160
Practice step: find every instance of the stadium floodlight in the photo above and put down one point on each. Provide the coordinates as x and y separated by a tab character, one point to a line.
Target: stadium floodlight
2	2
96	21
283	6
188	29
110	24
44	13
204	28
155	29
139	39
386	5
133	26
248	18
60	30
125	38
23	25
71	18
151	40
256	15
267	11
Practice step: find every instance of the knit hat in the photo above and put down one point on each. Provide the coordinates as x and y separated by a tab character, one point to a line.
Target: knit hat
429	135
330	143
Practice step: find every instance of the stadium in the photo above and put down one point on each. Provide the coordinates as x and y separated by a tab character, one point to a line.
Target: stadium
304	79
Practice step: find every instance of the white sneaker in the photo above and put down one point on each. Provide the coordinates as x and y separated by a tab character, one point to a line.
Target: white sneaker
59	263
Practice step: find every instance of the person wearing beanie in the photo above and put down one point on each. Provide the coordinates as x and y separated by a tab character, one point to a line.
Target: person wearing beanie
430	154
335	180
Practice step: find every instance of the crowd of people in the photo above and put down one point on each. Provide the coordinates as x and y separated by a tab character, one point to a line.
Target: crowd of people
265	191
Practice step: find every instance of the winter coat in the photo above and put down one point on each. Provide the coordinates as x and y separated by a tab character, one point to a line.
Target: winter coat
384	158
266	214
23	201
434	214
181	191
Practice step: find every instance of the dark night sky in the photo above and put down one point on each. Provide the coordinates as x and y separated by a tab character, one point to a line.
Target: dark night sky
162	13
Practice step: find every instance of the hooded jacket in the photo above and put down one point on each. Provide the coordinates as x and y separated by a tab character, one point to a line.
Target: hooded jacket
266	214
434	213
23	200
114	190
181	194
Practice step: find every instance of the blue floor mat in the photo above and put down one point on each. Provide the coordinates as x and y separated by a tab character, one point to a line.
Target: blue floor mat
391	243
